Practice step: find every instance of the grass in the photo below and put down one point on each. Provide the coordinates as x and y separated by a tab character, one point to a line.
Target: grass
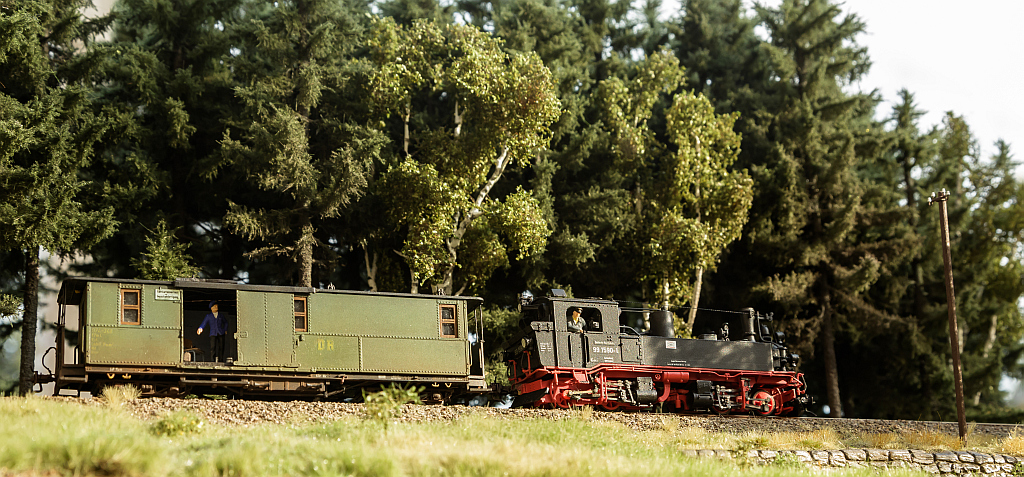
40	436
117	396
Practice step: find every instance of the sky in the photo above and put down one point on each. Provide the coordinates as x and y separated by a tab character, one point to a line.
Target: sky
952	55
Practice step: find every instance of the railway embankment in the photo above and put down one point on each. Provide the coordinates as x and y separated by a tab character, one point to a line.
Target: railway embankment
926	446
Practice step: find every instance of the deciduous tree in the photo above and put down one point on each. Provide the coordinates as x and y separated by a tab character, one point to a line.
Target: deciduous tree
468	110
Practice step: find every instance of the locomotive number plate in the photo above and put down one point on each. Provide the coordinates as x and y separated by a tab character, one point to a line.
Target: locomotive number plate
670	345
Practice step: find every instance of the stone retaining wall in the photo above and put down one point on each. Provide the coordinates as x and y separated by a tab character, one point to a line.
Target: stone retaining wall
944	463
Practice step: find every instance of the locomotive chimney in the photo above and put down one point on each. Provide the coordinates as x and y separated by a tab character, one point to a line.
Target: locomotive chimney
748	331
662	324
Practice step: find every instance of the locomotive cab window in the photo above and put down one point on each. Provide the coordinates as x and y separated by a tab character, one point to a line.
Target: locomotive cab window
583	318
301	315
131	309
449	324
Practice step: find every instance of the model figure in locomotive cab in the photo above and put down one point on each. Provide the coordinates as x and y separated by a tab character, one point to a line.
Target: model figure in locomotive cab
573	352
291	342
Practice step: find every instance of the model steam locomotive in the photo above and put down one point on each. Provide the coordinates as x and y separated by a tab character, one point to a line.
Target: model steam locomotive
297	342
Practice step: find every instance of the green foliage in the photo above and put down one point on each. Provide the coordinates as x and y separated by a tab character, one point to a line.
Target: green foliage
164	259
50	129
177	424
491	147
469	111
9	305
384	405
499	324
296	139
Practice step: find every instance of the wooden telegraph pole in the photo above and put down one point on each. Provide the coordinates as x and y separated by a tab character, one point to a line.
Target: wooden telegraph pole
954	342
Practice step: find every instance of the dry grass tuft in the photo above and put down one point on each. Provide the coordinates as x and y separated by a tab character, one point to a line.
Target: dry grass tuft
669	425
692	437
116	396
1013	444
880	440
825	438
931	440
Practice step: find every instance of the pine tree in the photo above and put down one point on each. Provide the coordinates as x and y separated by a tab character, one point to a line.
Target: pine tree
299	141
809	199
724	60
50	131
164	259
163	69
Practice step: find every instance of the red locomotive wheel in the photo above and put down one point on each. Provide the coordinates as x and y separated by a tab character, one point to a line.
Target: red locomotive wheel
611	405
763	398
562	400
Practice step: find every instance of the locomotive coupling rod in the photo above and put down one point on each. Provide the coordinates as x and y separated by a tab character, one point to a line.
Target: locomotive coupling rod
954	341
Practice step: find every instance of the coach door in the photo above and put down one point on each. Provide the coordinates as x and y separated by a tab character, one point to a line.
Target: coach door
265	329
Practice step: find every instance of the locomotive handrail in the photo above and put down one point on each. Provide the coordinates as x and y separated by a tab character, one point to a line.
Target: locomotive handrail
641	309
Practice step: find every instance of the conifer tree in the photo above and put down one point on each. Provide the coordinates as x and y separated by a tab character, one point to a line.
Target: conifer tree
810	196
300	139
986	230
163	68
724	59
50	131
164	259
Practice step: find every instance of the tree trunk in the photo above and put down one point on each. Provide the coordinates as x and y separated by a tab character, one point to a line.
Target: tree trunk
990	342
665	289
696	299
700	270
407	138
305	246
29	321
831	370
371	268
910	187
414	283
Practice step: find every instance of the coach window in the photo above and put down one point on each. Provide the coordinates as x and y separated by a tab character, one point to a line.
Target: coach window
449	328
301	316
131	312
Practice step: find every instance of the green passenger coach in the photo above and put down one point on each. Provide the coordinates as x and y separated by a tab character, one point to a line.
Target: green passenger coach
279	341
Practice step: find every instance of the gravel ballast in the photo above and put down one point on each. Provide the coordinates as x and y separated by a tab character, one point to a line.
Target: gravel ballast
243	412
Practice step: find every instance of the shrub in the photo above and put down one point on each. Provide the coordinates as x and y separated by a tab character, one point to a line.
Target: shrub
386	404
177	423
